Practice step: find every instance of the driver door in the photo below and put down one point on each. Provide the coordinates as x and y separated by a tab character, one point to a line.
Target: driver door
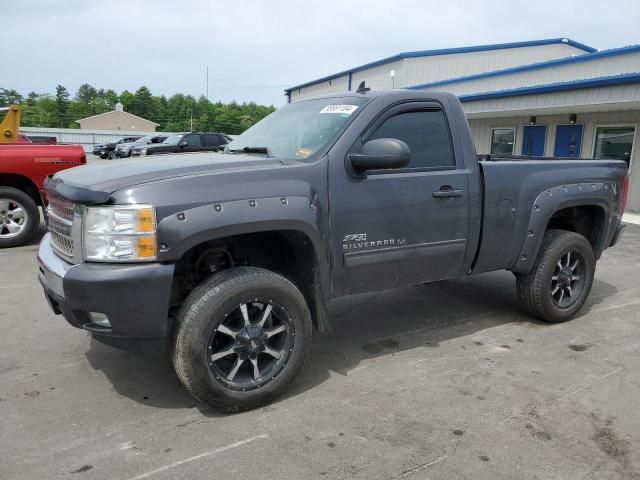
403	226
193	143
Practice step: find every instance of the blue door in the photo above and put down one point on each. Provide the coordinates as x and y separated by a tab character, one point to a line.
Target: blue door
568	141
533	140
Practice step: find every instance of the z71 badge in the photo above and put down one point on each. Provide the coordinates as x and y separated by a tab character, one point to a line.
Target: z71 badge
355	237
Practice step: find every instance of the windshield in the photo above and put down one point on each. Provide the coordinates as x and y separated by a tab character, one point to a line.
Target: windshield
298	130
173	139
143	139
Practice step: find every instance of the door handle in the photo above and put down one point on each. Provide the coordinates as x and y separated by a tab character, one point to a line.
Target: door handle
447	191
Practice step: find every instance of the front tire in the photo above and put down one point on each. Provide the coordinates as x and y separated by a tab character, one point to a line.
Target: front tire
242	335
19	217
559	283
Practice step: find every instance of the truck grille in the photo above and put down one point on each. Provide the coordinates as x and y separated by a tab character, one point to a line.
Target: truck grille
60	213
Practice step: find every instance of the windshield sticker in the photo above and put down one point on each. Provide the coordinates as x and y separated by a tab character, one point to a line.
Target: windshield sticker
343	109
304	152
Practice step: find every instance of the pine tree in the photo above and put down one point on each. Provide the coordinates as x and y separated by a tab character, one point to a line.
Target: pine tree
62	105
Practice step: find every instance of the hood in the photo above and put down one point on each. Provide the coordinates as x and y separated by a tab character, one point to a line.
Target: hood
94	183
159	147
130	144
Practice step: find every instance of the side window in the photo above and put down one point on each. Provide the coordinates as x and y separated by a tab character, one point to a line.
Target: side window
193	140
211	140
425	132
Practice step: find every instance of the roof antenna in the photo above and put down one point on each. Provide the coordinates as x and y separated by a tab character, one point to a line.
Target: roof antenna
362	88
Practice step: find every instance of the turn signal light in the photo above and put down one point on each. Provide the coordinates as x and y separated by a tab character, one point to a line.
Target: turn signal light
147	247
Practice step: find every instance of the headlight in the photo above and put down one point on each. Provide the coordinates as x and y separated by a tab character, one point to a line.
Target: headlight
119	233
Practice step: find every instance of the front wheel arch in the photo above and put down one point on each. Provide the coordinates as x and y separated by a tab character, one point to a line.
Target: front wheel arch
290	253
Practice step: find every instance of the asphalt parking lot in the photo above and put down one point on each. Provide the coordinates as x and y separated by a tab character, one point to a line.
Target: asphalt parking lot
442	381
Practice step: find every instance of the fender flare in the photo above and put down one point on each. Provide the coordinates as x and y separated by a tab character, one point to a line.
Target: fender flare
552	200
180	232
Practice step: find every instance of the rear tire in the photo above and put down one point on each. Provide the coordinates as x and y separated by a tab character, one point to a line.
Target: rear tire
19	217
224	314
559	283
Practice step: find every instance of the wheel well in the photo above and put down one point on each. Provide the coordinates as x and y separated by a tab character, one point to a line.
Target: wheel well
587	220
289	253
22	183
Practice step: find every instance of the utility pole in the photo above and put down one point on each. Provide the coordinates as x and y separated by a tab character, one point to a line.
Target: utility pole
191	129
207	83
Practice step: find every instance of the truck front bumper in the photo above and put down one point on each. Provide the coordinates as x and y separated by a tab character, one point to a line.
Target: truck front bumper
117	300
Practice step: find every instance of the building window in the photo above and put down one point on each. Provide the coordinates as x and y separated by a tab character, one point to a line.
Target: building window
503	141
614	143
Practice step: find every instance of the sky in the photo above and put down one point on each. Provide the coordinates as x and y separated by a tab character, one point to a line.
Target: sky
255	49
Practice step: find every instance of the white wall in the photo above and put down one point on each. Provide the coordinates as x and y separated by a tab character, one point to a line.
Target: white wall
339	84
610	98
86	138
378	77
441	67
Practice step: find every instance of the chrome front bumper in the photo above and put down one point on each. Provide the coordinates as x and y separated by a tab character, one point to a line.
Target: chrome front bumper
52	269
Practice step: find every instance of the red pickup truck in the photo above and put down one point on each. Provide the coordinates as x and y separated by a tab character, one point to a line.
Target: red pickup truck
23	170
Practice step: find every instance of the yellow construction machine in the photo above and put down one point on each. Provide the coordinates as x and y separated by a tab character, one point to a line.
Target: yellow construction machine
10	124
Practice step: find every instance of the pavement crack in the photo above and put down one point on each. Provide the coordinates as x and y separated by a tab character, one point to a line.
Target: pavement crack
424	466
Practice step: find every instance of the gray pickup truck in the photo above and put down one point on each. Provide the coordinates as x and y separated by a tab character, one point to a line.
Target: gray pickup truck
230	258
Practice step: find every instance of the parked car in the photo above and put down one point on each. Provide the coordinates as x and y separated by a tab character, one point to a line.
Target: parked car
124	149
23	169
186	142
230	258
107	150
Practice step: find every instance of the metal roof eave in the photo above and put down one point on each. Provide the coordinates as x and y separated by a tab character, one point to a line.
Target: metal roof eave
447	51
622	79
587	57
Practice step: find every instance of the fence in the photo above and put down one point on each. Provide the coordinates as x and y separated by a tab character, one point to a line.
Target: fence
86	138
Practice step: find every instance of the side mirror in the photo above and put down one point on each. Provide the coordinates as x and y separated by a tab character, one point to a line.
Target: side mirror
381	154
183	144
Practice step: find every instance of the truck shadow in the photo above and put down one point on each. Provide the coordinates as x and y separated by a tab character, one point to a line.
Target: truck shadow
364	327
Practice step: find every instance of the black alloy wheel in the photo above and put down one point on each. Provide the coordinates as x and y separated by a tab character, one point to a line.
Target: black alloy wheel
251	346
568	279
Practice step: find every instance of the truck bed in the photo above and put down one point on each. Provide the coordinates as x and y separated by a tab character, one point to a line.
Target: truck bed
513	200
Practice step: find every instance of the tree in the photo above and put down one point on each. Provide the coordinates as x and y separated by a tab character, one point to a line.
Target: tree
62	105
8	97
142	104
86	94
174	114
127	98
